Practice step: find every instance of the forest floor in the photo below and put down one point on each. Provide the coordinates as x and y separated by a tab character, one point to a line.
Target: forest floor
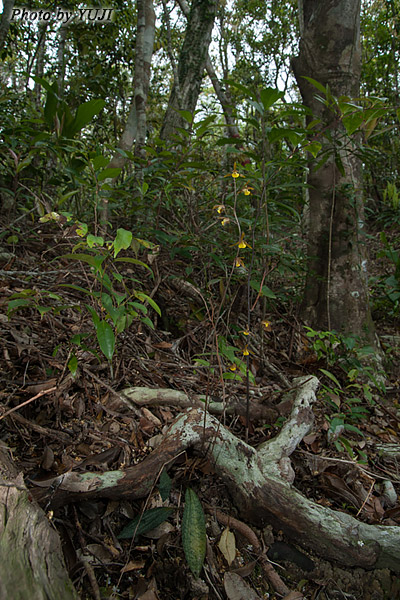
80	423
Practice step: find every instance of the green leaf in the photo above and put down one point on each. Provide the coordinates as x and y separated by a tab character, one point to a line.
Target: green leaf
109	174
144	297
187	115
269	96
122	241
147	321
150	519
73	364
194	538
94	240
165	485
95	316
331	377
83	116
106	339
313	148
353	121
134	261
316	84
19	303
94	261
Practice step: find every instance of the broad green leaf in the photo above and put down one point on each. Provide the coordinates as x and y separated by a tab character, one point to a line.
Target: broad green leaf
353	121
106	339
19	303
108	174
269	96
99	162
94	240
313	148
331	377
122	241
194	538
187	115
83	116
150	519
50	107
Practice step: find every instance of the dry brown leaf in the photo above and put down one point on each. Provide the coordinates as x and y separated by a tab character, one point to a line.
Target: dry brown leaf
227	545
133	565
237	589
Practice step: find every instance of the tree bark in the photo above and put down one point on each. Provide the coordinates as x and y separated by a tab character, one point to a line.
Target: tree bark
31	560
135	128
260	482
8	6
192	62
223	96
336	291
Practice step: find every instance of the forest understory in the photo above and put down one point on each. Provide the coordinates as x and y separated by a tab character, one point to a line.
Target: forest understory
99	446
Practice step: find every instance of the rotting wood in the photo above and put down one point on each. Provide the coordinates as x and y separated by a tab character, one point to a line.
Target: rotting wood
260	482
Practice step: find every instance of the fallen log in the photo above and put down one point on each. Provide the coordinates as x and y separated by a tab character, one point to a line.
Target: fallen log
260	482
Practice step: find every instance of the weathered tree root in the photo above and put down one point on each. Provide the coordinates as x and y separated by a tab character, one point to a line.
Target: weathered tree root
260	482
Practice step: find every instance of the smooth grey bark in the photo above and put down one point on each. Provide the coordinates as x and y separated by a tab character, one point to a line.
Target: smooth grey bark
31	560
192	62
336	290
8	6
135	128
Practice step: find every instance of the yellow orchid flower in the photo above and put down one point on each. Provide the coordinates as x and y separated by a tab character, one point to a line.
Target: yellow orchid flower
235	174
241	243
219	208
246	190
239	262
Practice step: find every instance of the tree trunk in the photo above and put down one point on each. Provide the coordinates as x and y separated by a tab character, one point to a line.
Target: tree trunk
31	560
223	96
336	292
8	6
136	124
135	128
192	62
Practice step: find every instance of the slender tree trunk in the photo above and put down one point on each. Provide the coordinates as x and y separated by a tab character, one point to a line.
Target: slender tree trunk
136	124
39	67
61	59
223	96
336	292
192	62
8	6
135	128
